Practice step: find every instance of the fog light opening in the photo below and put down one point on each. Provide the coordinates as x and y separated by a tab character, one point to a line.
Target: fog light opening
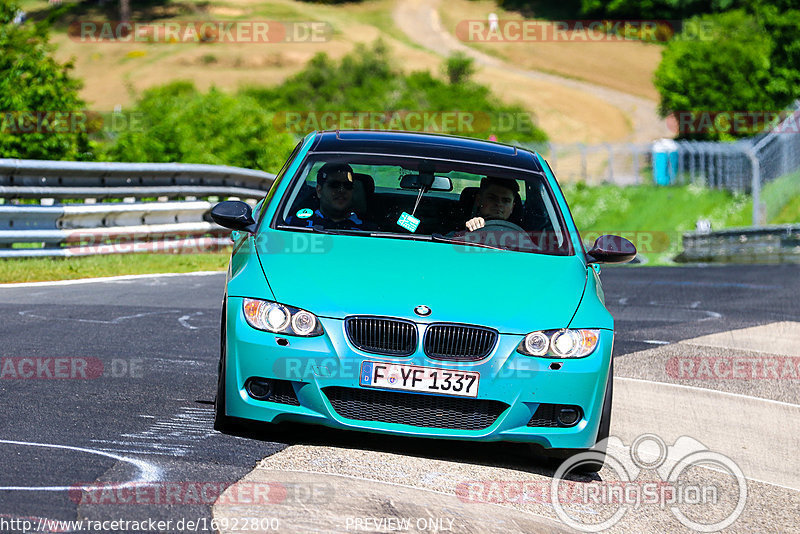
259	388
568	416
282	341
555	366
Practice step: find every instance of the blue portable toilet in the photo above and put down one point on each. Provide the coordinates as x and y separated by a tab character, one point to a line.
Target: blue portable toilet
665	161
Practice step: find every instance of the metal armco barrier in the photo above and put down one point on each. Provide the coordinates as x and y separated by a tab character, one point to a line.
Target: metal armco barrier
770	244
91	227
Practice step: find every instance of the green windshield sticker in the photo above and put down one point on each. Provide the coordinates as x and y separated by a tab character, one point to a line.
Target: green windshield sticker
305	213
408	221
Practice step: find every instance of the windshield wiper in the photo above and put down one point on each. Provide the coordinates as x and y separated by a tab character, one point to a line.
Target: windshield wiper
338	231
439	238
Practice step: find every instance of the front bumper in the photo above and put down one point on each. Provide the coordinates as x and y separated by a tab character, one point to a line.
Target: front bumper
313	365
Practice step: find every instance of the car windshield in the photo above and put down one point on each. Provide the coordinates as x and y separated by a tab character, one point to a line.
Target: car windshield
425	199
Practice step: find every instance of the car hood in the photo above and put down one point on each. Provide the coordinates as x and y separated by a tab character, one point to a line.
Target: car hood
514	292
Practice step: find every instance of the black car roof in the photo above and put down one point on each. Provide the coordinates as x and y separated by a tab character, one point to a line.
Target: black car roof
429	145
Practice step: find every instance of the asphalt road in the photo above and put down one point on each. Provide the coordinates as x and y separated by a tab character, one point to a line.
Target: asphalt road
124	374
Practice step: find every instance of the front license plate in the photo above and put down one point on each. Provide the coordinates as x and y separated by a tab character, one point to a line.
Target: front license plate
422	379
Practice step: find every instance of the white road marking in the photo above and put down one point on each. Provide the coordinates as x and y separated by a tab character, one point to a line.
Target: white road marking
148	472
116	320
177	435
105	279
711	315
670	384
741	427
168	360
184	321
655	342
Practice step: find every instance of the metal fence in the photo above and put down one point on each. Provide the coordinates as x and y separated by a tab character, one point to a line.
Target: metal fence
774	244
115	208
745	166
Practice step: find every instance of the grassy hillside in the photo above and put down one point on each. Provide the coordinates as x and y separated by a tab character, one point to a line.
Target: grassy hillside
624	65
116	73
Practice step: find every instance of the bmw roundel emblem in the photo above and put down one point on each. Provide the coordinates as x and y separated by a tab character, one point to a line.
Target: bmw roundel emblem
422	311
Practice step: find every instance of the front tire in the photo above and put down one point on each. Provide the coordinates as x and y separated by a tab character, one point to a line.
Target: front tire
222	422
594	464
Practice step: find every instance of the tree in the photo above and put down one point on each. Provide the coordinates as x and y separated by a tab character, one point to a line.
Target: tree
177	123
727	69
41	113
781	21
365	83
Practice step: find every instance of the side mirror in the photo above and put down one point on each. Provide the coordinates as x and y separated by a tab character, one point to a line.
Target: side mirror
611	249
234	214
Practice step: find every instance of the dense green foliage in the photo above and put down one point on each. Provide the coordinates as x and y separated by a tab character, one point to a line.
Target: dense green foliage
177	123
41	114
743	60
258	126
725	71
366	82
655	9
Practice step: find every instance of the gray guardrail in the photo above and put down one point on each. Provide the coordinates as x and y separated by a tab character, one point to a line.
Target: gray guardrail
167	216
766	244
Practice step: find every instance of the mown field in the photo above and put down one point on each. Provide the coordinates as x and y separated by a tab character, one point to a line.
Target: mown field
626	65
116	73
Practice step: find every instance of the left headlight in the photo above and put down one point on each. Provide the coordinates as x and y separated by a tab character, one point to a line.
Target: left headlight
564	343
280	319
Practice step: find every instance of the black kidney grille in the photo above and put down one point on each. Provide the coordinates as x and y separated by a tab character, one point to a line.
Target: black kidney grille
414	409
381	335
458	342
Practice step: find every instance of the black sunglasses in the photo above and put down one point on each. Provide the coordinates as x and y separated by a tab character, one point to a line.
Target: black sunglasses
339	184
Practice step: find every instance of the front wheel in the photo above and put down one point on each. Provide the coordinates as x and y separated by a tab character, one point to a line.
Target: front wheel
593	463
222	422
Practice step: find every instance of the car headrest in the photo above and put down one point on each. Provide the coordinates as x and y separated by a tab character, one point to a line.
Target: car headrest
362	192
366	181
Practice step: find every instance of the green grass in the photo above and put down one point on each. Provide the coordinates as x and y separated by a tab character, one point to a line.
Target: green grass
790	213
653	217
39	269
779	195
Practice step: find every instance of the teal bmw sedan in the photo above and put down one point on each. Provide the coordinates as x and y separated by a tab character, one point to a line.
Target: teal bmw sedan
420	285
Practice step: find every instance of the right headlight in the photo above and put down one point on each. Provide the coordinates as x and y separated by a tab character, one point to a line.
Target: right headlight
280	319
563	343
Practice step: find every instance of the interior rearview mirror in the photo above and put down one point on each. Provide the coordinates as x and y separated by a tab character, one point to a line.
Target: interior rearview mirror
429	181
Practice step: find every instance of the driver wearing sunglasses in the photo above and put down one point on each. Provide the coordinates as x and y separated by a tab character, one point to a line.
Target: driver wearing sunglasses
335	186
